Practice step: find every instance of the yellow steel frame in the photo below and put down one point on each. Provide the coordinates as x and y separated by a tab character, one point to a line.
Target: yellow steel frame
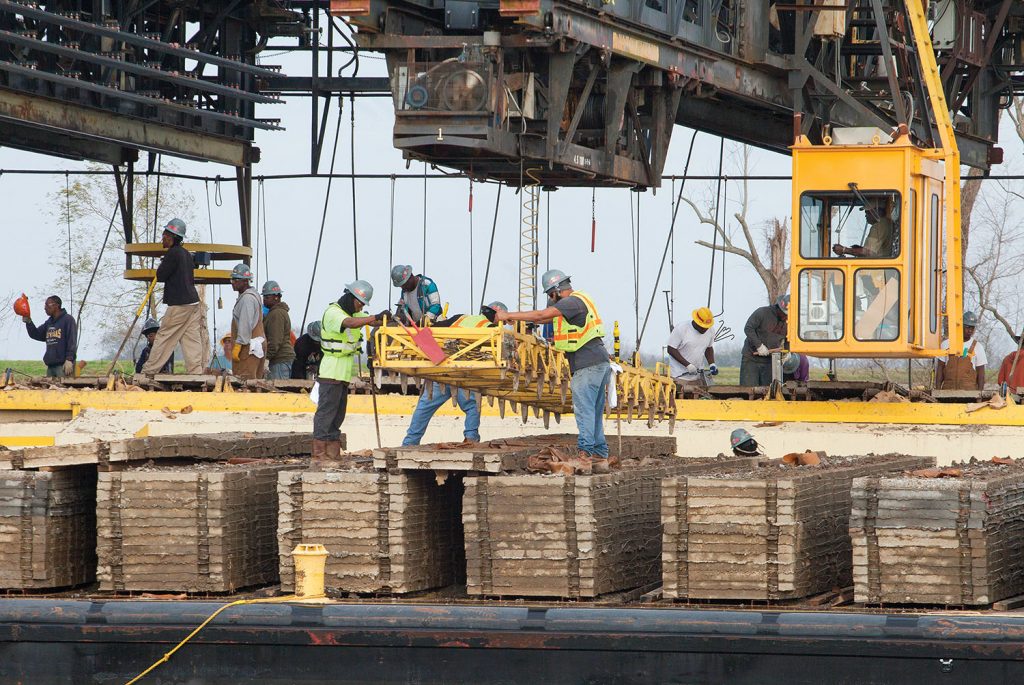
512	366
897	165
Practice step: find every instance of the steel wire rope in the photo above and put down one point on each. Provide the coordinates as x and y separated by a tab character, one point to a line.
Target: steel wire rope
67	215
266	235
423	264
95	268
471	268
668	238
490	250
256	247
391	237
323	220
636	277
714	236
725	211
215	290
352	166
156	200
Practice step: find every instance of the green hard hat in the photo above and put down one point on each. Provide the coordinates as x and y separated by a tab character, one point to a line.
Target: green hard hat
241	272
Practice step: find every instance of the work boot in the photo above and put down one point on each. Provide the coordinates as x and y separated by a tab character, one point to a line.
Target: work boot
583	464
316	460
332	454
599	465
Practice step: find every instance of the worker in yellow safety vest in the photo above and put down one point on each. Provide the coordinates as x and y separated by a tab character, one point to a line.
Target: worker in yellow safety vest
579	333
341	335
434	395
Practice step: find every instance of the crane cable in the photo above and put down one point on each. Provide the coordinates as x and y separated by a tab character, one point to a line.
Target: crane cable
95	268
266	236
67	215
471	291
215	290
668	239
352	166
323	219
490	250
391	238
714	236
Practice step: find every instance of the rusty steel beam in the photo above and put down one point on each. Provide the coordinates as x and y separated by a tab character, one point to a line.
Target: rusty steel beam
69	119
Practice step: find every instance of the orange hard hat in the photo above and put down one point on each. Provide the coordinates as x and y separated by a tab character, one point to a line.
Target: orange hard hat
21	307
703	317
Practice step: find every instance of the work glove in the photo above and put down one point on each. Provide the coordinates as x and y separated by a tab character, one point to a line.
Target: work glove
236	352
713	370
380	317
69	368
761	351
691	368
27	319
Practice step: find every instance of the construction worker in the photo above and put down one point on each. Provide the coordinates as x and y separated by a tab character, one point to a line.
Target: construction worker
149	331
796	367
307	352
341	332
248	352
690	345
278	326
60	333
1011	371
765	331
434	395
881	230
579	333
744	445
966	371
182	322
419	300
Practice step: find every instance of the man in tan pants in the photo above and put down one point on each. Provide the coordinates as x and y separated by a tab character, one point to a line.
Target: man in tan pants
182	321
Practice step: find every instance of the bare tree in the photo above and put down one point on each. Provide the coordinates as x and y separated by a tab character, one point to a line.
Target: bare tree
84	209
772	243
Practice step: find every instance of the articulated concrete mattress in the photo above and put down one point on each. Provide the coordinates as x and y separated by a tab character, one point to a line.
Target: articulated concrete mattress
47	528
384	532
945	540
774	532
536	535
197	528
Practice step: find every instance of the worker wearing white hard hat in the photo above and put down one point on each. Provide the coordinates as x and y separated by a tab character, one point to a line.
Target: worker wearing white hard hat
579	334
182	322
341	336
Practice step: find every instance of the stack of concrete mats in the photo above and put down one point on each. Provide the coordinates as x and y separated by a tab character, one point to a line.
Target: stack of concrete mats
952	539
535	535
197	529
778	531
47	528
391	533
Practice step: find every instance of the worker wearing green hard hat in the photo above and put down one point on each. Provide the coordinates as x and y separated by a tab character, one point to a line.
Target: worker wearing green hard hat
277	323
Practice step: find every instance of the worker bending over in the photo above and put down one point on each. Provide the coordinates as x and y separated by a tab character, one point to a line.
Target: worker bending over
765	331
434	395
278	326
419	299
965	371
579	333
60	333
248	336
307	352
149	331
690	345
182	322
341	332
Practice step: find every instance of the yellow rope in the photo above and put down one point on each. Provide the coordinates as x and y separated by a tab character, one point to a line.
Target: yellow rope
166	657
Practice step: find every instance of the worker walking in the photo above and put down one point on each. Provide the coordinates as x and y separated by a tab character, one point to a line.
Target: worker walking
248	336
60	333
278	326
690	345
307	352
149	331
965	371
419	299
434	395
341	332
765	331
182	321
579	333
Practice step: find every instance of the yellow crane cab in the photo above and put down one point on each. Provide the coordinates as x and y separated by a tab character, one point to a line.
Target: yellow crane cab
868	253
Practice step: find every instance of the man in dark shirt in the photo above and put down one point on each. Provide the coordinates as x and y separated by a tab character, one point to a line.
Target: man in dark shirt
183	320
579	333
149	330
60	333
307	352
766	331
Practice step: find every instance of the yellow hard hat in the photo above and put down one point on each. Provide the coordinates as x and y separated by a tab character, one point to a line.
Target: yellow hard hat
703	317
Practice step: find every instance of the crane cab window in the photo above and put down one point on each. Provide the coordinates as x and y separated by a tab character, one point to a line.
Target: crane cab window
821	301
876	304
857	224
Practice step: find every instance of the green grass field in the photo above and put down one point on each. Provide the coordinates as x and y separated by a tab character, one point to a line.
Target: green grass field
93	368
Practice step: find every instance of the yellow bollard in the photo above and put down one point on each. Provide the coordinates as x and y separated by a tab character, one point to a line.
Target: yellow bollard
310	561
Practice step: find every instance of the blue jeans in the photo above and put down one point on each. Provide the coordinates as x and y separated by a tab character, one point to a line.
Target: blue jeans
589	387
280	371
426	408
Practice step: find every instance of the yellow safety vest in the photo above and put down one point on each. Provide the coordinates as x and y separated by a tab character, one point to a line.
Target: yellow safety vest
569	338
340	345
471	321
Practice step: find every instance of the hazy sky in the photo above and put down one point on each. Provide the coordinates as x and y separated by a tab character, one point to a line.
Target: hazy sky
294	209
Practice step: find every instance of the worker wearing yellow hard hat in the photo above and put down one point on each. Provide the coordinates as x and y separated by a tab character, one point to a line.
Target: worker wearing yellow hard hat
691	349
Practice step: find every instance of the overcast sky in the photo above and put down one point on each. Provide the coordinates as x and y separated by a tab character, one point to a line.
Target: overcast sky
294	209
